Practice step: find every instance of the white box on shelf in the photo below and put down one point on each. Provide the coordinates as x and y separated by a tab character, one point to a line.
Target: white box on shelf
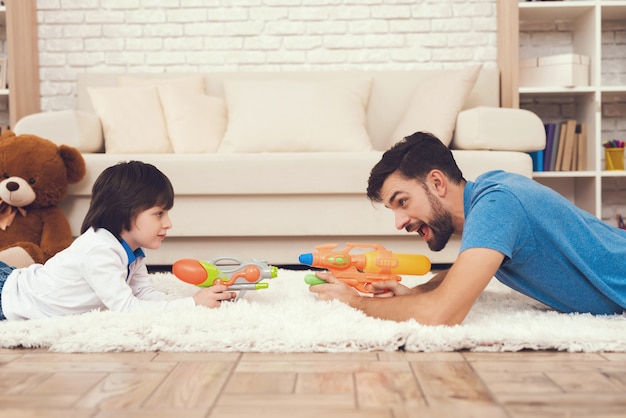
564	70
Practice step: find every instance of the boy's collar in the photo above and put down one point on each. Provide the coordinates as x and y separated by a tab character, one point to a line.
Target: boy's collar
132	255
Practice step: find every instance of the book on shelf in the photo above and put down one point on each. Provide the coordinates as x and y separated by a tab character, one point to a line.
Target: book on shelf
581	139
555	145
537	157
566	147
558	162
547	155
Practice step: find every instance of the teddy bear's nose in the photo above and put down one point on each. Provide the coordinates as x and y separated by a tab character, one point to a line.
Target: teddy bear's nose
12	186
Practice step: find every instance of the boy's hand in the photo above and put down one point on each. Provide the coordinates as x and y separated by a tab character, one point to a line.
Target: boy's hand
212	297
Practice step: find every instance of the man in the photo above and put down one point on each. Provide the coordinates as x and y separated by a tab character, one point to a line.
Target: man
525	234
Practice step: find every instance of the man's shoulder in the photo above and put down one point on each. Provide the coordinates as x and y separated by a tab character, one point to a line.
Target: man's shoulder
499	176
503	180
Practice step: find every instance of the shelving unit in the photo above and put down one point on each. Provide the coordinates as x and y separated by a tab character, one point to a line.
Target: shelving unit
19	18
4	92
585	27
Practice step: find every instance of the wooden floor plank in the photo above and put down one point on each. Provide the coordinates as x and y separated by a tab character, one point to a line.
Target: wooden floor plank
451	382
38	402
261	382
450	411
150	413
305	411
592	383
329	366
191	385
531	382
68	383
323	382
308	357
384	389
290	400
122	390
45	412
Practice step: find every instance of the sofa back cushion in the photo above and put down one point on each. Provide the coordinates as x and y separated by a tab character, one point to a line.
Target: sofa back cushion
296	115
435	104
390	93
132	119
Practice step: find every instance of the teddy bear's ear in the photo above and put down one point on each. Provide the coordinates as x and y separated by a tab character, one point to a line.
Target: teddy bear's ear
74	163
7	134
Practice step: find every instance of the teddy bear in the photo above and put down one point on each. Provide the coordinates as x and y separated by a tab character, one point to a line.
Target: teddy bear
35	174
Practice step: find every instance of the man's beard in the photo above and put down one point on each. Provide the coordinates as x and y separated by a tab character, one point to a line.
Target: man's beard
441	226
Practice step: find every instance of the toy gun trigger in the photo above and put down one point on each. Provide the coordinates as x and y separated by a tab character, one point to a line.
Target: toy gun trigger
362	287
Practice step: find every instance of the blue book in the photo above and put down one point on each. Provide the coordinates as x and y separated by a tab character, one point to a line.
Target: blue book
537	157
549	150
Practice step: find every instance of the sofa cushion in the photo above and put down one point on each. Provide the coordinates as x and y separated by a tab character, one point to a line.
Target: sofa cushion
499	128
296	115
435	104
195	121
132	119
194	82
74	128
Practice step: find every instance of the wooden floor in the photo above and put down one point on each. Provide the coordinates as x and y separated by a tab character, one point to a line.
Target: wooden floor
36	383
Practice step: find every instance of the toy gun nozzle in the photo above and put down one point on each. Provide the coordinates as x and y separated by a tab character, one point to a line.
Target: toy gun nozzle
249	286
306	258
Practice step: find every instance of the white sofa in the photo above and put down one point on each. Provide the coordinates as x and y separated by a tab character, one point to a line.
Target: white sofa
276	205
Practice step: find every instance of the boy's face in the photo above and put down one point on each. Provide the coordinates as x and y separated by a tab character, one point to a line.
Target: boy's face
148	229
418	210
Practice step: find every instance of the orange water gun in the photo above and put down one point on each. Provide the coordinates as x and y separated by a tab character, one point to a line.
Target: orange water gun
359	270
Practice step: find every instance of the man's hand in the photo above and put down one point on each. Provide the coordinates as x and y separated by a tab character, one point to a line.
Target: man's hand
389	289
333	289
344	292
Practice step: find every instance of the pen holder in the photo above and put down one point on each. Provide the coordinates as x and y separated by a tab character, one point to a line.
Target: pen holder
614	158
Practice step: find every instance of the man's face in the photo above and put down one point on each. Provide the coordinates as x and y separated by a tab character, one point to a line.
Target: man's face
417	209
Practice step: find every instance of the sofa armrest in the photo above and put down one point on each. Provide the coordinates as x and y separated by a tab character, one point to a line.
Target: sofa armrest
499	129
75	128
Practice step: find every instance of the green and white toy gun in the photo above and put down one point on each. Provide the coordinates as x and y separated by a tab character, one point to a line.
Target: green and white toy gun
238	275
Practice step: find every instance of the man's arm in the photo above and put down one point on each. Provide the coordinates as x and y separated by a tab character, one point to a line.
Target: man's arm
432	284
447	303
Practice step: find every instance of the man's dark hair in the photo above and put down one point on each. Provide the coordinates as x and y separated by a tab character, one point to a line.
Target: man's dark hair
122	191
413	157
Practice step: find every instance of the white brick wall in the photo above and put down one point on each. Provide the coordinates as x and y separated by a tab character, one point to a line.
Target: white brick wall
77	36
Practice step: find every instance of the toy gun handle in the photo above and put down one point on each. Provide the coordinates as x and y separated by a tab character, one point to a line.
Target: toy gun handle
312	280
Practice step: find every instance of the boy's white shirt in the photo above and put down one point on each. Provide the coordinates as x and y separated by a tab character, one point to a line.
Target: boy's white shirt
92	273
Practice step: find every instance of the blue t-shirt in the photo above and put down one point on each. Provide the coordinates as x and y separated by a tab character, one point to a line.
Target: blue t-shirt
554	252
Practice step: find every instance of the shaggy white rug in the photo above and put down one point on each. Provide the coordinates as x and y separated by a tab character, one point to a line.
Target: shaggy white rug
288	318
